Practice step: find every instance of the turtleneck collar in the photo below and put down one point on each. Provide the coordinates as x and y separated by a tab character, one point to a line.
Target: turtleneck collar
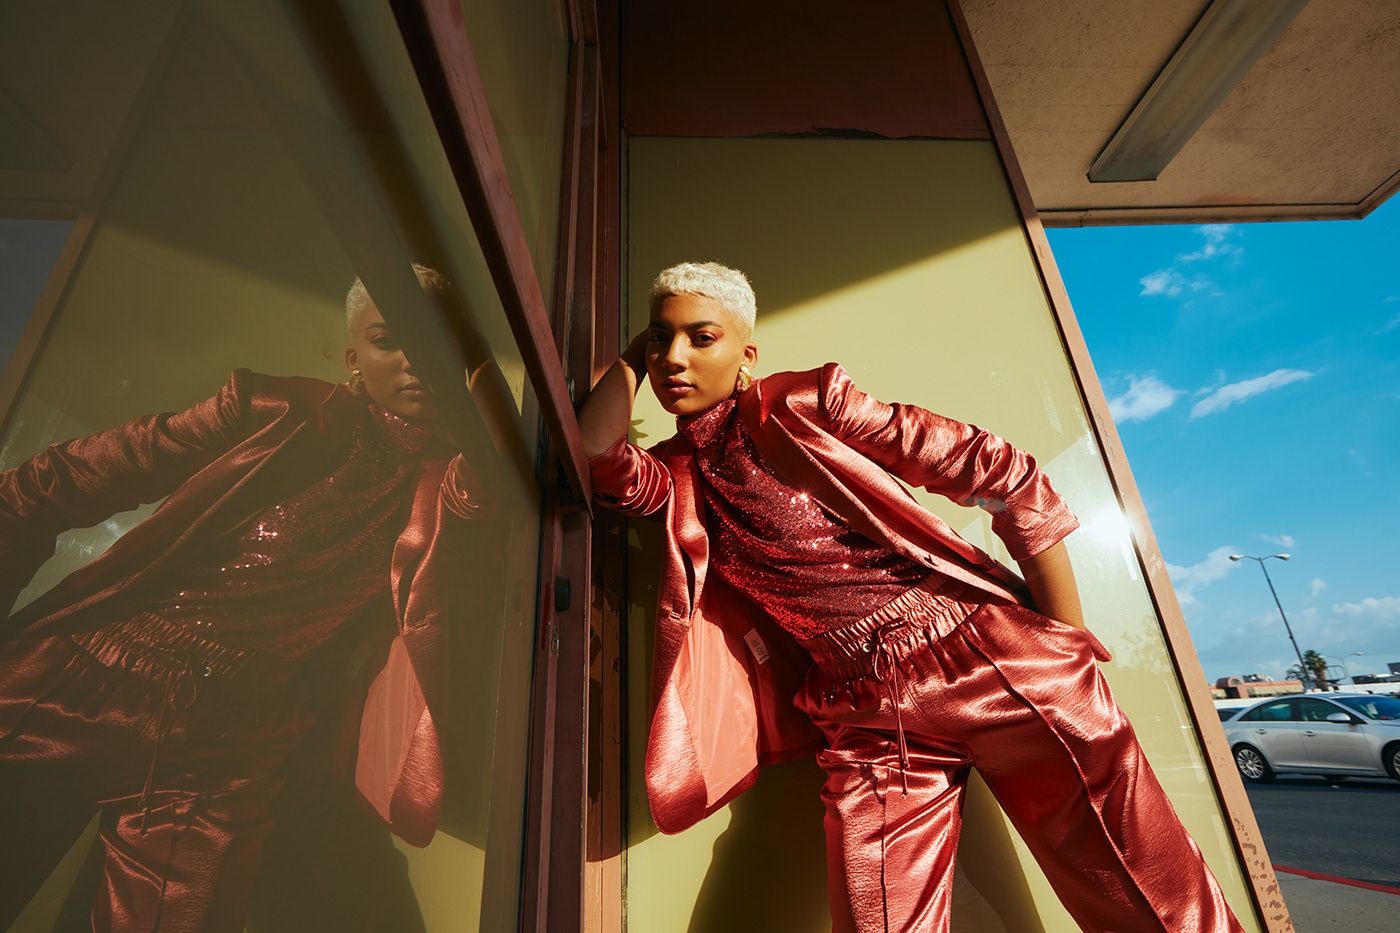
703	428
422	440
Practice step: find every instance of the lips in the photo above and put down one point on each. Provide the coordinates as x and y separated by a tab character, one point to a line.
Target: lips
414	390
676	388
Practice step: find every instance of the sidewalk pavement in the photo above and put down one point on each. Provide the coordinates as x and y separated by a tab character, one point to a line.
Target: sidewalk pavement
1318	905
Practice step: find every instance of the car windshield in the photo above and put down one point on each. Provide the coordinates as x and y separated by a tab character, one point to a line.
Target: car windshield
1373	707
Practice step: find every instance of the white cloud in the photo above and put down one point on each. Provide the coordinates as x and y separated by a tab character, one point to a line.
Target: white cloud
1170	282
1384	608
1227	395
1279	540
1162	282
1318	585
1216	243
1189	579
1145	398
1390	325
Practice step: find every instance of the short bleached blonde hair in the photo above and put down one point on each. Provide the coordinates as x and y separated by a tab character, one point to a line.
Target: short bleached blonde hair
729	287
357	298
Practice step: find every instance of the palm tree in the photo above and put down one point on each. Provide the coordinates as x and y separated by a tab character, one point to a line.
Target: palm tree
1316	666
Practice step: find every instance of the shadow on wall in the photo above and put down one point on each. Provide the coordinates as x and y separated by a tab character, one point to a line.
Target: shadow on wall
798	197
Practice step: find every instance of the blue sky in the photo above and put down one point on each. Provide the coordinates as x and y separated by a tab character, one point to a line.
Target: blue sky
1254	374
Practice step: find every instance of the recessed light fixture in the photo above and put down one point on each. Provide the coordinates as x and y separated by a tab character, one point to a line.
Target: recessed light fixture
1216	54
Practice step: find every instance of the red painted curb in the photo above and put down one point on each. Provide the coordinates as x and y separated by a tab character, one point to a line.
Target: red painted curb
1384	889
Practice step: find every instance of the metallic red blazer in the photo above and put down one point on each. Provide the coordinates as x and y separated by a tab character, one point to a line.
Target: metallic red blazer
254	443
723	675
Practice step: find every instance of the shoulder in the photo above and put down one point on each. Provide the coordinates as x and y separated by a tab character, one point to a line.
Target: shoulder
814	392
294	389
295	392
251	396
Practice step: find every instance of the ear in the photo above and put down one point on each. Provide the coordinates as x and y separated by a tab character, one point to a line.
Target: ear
751	355
351	358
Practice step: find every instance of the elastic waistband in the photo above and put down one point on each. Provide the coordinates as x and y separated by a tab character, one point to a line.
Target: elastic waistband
919	616
151	646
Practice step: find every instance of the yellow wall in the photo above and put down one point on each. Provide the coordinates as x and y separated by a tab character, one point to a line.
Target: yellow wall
905	262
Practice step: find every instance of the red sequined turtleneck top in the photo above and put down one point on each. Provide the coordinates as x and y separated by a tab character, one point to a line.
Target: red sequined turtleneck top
779	546
285	580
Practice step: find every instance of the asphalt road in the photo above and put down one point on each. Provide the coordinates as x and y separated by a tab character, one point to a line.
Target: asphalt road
1349	830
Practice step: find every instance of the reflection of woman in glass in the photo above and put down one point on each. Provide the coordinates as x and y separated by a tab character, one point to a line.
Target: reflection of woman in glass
169	680
798	572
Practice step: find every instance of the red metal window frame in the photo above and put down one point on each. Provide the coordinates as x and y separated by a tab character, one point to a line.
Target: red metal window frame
572	867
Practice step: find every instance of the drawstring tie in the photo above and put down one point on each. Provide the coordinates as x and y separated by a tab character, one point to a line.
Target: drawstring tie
181	691
885	668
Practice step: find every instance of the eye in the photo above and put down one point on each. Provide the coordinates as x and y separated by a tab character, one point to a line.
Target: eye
703	339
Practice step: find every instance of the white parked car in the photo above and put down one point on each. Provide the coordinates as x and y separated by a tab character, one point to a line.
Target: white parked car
1334	734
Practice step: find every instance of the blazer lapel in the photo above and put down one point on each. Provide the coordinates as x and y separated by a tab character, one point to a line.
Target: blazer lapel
687	517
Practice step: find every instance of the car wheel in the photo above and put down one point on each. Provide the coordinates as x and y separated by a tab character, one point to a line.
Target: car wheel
1391	758
1252	765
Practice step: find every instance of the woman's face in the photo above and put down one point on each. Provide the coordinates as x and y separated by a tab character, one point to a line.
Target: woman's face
389	378
694	351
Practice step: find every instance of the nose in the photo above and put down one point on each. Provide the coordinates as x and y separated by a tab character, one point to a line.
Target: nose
674	357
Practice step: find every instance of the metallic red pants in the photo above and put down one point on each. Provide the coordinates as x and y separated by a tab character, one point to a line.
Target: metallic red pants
180	745
1019	697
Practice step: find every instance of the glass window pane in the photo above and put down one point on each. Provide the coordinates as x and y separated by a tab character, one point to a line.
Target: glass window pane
1315	710
270	541
28	250
521	51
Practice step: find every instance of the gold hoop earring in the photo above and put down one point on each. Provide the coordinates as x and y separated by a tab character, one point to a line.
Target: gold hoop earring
356	382
743	380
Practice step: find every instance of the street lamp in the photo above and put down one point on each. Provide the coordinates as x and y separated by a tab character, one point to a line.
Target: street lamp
1302	667
1346	672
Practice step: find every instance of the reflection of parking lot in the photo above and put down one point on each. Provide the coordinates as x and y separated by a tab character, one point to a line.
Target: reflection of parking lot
1348	830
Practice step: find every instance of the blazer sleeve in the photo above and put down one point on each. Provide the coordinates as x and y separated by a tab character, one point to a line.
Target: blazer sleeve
967	464
631	480
80	482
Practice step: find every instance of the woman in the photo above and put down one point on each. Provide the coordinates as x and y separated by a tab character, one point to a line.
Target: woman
169	681
803	587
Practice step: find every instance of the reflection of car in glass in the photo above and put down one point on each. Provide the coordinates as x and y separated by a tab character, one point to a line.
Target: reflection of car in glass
1337	735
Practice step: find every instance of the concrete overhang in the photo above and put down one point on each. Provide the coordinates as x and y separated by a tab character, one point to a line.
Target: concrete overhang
1311	131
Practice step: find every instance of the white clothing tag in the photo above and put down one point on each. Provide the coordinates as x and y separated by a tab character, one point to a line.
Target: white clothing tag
756	645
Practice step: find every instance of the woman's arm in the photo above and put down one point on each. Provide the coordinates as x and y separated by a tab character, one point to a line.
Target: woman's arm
607	412
625	477
969	465
1051	582
78	483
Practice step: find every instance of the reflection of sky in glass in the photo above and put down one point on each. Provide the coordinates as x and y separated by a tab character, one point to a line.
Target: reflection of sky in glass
28	250
1254	374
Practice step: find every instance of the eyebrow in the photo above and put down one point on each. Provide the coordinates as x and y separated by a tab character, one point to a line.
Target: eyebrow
378	325
691	326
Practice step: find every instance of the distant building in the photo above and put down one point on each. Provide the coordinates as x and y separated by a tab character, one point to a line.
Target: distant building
1244	688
